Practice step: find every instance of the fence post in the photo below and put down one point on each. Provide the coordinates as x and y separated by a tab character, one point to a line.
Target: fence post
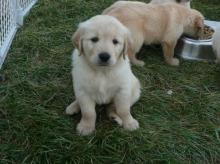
8	26
12	14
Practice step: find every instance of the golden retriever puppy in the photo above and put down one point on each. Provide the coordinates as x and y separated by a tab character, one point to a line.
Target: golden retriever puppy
216	44
150	23
185	3
102	73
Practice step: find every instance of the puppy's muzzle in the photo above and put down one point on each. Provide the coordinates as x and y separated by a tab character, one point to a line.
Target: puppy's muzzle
104	58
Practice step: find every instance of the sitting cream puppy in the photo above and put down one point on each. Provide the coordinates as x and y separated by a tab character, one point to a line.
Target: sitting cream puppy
102	73
216	44
185	3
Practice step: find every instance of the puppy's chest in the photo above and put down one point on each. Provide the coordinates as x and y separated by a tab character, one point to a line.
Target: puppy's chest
102	90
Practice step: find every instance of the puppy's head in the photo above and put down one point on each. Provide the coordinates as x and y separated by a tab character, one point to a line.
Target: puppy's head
102	40
196	24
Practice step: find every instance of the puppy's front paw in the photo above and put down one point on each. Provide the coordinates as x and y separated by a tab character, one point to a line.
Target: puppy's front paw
72	109
131	125
84	128
174	62
117	119
114	116
138	62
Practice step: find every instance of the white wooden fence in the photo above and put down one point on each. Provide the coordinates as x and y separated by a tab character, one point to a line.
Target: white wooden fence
12	13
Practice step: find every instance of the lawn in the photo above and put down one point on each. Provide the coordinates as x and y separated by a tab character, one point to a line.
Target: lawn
180	128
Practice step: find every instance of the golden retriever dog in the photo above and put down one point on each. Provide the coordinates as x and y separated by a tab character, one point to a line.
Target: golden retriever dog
102	73
216	44
151	23
185	3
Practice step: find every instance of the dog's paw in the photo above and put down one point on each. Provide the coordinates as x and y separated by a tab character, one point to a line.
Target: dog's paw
139	63
72	109
113	116
131	125
116	119
174	62
85	128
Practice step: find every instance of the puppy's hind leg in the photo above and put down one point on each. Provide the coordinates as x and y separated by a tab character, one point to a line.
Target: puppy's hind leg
111	109
111	113
135	61
136	92
133	49
73	108
168	51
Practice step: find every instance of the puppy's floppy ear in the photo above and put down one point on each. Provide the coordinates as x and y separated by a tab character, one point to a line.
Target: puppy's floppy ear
128	49
77	40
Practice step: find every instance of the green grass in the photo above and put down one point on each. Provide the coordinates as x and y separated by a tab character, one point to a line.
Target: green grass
181	128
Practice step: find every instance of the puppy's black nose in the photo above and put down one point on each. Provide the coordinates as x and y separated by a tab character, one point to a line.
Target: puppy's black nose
104	57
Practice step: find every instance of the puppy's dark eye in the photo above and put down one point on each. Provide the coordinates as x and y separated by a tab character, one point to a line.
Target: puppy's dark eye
115	41
95	39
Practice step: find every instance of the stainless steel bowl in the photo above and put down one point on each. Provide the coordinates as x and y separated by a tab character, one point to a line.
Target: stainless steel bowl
200	50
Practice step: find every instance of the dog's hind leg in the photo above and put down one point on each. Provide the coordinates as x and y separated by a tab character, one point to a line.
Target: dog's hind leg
136	92
73	108
134	47
135	61
111	113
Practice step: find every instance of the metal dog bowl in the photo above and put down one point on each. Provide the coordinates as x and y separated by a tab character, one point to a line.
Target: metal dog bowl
200	50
